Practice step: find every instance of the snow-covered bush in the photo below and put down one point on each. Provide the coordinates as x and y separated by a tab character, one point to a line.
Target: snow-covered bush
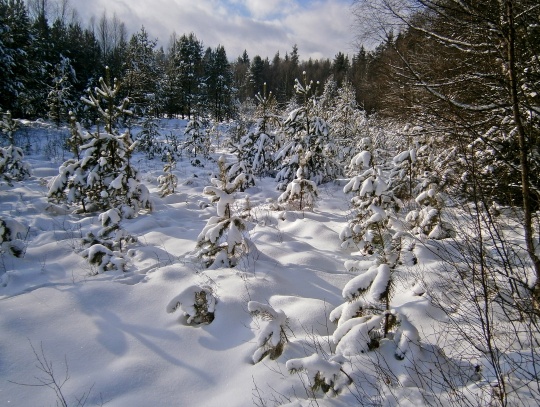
427	221
105	249
300	193
12	164
103	258
375	281
12	237
322	374
221	242
272	336
365	333
168	181
197	303
8	126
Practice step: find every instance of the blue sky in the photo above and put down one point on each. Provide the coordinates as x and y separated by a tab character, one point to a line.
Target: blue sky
320	28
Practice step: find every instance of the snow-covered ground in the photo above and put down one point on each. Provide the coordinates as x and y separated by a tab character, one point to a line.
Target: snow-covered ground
109	338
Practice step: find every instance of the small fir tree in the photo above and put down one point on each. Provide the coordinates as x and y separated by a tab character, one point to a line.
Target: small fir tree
300	193
9	127
105	249
307	140
197	141
197	303
257	148
368	318
148	138
103	177
12	165
12	237
168	181
272	337
323	375
221	242
61	91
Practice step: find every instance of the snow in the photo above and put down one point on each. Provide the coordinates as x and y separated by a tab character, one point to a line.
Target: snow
113	330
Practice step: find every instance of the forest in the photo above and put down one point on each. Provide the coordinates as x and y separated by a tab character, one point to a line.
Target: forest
357	231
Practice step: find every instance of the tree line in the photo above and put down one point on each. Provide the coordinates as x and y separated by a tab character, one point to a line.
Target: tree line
48	60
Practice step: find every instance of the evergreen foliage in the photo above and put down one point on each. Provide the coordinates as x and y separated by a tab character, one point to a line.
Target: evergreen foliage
168	181
307	141
12	164
300	193
197	303
102	177
148	139
221	242
105	249
197	141
60	97
256	148
272	337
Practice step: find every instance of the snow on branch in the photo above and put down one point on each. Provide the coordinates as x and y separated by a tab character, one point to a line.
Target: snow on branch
322	374
272	337
197	303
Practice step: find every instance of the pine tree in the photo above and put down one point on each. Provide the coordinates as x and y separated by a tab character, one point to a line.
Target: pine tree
197	303
307	140
368	318
191	75
197	141
219	89
15	43
60	95
141	73
221	242
148	139
12	164
103	177
272	337
256	148
300	193
105	249
8	127
168	181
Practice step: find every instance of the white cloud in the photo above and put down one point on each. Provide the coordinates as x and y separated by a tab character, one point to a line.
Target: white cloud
268	8
263	27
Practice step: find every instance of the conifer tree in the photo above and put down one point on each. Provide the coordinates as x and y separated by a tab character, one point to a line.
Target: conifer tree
148	138
221	242
307	140
198	304
141	73
256	148
16	41
300	193
12	164
168	181
103	177
368	317
60	95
